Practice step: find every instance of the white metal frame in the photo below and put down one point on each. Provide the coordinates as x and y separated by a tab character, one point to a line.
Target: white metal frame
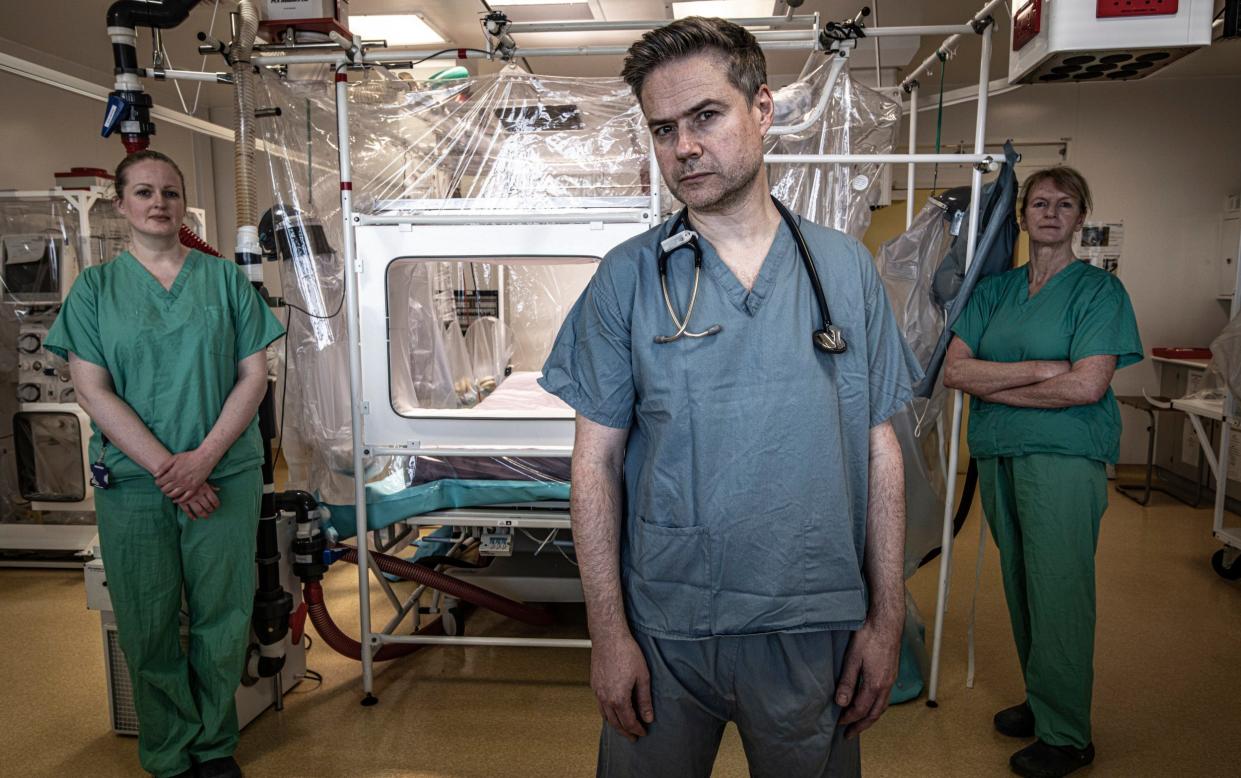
954	437
448	432
358	322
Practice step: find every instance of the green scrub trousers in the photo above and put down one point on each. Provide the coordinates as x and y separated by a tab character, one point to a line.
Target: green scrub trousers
184	698
1044	511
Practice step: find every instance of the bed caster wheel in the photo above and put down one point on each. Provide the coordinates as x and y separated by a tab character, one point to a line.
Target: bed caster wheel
1227	564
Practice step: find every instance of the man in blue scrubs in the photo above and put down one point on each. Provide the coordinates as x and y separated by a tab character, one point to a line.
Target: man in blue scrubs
738	498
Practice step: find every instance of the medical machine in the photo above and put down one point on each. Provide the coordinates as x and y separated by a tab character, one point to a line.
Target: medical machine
46	238
255	694
51	441
1103	40
279	17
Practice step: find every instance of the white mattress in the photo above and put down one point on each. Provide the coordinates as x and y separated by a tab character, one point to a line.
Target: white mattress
521	392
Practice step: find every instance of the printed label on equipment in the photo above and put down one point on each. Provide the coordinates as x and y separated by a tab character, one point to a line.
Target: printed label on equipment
496	542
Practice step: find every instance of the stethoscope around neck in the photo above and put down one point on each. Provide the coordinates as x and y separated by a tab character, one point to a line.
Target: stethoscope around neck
829	339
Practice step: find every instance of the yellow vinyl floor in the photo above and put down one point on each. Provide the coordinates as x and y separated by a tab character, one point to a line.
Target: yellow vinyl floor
1167	685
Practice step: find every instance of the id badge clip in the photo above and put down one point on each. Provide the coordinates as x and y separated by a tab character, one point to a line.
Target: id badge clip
100	477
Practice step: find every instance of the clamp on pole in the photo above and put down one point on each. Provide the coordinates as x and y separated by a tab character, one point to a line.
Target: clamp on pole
496	25
840	35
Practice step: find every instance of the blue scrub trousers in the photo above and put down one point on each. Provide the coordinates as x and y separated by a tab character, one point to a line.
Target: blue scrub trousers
152	552
778	688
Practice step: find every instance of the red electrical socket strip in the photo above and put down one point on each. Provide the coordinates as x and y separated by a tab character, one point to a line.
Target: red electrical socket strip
1106	9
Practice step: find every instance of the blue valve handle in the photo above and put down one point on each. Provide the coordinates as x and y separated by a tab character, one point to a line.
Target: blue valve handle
330	555
114	113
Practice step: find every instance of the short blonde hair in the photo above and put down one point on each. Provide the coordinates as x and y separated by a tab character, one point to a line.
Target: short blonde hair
1066	179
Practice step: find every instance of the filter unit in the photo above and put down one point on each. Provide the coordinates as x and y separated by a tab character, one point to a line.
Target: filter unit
1106	40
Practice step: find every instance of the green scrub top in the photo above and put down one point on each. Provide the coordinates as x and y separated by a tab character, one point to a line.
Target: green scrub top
1082	311
172	354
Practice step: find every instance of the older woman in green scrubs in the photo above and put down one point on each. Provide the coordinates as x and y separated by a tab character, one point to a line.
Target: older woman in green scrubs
166	347
1037	347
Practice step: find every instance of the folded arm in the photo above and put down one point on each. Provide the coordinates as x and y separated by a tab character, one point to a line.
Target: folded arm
980	377
1084	384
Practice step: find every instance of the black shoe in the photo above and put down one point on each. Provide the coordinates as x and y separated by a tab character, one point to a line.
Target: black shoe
1017	721
192	772
223	767
1041	760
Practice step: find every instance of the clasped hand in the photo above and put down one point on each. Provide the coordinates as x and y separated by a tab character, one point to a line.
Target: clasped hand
183	479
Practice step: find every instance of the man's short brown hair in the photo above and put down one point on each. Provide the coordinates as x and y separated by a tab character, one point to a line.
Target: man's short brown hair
747	67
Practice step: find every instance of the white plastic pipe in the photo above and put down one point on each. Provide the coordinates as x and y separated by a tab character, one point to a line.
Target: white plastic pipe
890	159
444	640
499	217
188	75
355	380
838	64
913	149
954	449
949	46
516	28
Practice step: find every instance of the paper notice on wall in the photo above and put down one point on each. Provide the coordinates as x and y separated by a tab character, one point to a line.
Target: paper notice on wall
1189	438
1099	243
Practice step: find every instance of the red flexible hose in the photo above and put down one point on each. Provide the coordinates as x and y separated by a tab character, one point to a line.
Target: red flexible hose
455	587
189	238
316	608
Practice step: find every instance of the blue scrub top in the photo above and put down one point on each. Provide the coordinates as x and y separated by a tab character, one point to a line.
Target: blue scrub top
748	453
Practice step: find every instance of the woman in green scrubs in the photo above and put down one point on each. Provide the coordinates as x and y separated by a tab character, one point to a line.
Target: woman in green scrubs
1036	347
167	351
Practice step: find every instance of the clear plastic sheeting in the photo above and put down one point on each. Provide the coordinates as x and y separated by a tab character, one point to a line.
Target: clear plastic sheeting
857	120
301	231
907	266
109	232
458	330
38	243
42	249
1223	372
512	142
1226	357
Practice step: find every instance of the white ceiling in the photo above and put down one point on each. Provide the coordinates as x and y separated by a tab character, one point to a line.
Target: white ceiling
69	35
